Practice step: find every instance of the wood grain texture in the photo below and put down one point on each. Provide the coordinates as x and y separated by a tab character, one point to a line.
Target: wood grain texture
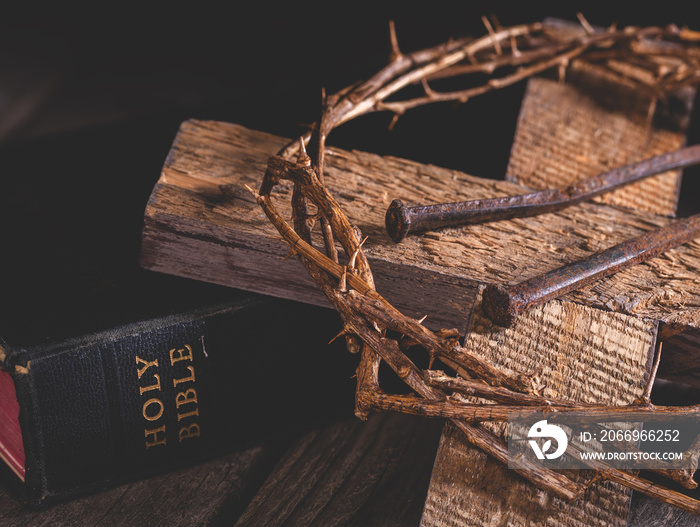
202	223
215	492
583	354
353	473
647	512
683	364
566	133
574	130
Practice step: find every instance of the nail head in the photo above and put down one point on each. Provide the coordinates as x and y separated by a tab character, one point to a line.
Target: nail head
397	220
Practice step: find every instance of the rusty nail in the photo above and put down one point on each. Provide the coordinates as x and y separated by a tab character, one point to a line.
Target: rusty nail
503	303
401	220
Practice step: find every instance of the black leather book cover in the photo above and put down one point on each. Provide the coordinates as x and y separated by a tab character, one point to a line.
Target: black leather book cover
121	372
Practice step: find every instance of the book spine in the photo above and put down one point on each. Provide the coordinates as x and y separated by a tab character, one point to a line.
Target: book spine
122	405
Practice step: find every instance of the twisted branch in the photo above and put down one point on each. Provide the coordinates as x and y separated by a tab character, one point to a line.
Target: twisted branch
671	59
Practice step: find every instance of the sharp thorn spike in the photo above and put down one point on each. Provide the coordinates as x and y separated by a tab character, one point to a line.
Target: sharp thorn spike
395	51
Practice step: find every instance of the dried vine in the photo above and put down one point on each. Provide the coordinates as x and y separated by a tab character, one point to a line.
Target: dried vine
668	59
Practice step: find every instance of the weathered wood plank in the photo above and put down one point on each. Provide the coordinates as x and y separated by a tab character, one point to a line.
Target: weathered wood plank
202	223
195	209
353	473
647	512
683	352
211	492
565	134
584	355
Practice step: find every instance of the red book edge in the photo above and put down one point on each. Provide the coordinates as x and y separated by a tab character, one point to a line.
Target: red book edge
11	446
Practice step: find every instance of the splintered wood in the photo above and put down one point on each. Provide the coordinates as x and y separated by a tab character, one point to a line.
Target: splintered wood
593	345
564	134
203	223
584	355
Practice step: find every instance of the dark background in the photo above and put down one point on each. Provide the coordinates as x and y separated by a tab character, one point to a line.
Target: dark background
90	100
261	66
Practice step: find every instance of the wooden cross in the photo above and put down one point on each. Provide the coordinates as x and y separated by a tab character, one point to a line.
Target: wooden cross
588	355
594	345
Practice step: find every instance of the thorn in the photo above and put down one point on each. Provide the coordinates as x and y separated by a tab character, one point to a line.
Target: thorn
652	109
496	43
343	332
514	47
562	70
422	319
303	158
584	24
291	253
448	45
335	153
513	41
428	90
395	51
394	120
343	283
308	126
445	49
351	263
252	191
327	100
646	396
433	355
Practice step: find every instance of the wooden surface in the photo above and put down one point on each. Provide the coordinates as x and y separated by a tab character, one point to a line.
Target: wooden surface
208	494
260	87
584	354
353	473
566	133
381	480
345	473
202	223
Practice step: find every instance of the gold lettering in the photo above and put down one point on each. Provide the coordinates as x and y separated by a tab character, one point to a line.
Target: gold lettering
187	379
189	431
180	417
154	434
148	403
145	364
189	396
156	386
180	356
